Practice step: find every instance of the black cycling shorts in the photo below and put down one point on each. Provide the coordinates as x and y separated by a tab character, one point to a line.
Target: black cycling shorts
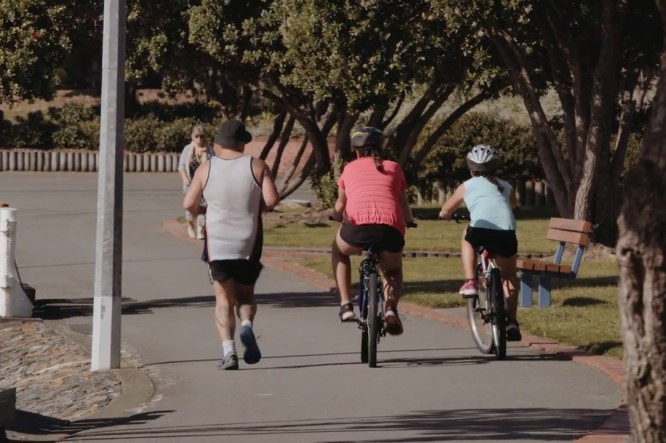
245	272
384	237
502	243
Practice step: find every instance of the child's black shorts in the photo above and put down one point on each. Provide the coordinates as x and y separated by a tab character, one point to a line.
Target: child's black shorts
502	243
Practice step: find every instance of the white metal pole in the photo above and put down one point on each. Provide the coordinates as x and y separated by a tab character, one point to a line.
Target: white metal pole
14	303
108	253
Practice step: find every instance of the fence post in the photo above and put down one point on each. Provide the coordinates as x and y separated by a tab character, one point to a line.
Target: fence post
14	302
529	193
539	194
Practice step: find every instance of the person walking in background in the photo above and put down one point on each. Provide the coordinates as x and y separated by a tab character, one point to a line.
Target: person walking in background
193	155
237	188
490	201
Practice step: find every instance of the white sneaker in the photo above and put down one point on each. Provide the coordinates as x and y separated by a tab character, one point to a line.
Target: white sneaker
190	230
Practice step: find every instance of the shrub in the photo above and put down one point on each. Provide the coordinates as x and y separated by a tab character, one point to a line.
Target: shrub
446	163
325	186
141	134
173	136
32	131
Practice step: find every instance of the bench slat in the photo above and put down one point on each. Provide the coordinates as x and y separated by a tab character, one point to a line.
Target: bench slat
568	224
559	269
542	266
577	238
531	265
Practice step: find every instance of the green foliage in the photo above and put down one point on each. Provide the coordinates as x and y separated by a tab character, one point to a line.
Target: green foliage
32	131
35	40
140	134
78	126
325	186
447	164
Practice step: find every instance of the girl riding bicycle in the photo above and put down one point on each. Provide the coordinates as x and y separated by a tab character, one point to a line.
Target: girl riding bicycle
490	201
372	204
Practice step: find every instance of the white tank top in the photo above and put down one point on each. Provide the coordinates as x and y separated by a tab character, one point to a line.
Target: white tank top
233	217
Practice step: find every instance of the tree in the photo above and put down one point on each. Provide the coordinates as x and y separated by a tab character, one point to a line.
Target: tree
641	251
35	40
600	58
367	57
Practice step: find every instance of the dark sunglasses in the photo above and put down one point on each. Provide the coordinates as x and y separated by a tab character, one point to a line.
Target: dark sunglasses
199	136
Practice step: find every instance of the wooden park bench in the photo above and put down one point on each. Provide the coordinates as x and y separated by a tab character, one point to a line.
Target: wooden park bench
565	231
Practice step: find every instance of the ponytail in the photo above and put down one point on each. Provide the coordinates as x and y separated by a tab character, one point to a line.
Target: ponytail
493	180
376	157
379	162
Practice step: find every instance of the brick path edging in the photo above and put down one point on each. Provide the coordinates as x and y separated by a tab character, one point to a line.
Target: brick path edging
615	429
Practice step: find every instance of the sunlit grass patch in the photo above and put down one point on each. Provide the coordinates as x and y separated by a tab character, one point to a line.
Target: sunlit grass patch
584	313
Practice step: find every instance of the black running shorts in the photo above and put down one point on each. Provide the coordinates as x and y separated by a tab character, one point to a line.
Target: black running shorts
384	237
502	243
245	272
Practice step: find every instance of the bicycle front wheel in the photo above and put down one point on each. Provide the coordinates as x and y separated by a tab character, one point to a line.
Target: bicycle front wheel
478	316
499	313
373	327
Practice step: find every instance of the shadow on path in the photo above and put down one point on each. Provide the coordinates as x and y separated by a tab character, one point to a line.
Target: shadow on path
35	425
60	308
541	424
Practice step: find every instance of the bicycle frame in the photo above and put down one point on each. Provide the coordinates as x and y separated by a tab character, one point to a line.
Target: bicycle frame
487	263
371	311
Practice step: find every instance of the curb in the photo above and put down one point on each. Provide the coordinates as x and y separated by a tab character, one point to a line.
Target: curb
137	387
616	429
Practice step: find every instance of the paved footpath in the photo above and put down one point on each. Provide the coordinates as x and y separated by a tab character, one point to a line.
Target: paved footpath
432	384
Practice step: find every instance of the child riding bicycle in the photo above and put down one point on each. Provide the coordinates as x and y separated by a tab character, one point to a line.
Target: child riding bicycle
373	207
490	201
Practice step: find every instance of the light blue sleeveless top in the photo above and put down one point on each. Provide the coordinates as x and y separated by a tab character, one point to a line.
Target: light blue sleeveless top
489	208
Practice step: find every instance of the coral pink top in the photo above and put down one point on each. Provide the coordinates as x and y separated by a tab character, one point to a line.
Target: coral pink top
373	197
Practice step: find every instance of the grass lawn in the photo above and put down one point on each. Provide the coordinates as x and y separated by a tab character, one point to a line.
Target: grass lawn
311	229
584	313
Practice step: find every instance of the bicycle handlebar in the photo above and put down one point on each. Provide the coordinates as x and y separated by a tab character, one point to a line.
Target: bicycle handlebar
458	217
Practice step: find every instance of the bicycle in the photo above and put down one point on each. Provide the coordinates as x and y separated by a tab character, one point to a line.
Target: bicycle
370	303
486	312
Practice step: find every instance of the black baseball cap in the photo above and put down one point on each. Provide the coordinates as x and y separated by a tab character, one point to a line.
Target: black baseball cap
232	133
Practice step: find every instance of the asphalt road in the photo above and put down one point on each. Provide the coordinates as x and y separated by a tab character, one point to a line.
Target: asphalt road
432	384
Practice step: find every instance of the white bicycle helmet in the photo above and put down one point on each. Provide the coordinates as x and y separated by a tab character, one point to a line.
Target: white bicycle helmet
483	158
367	138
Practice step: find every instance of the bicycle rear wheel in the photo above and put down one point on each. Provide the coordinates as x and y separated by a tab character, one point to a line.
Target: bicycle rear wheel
364	343
478	316
499	313
372	321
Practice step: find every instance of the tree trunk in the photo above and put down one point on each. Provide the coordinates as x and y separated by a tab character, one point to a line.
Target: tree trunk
641	251
284	140
277	129
294	165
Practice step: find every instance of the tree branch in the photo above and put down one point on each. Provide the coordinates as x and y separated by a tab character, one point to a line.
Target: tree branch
446	124
549	148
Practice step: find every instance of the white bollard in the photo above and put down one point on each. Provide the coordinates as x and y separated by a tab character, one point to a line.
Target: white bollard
14	302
